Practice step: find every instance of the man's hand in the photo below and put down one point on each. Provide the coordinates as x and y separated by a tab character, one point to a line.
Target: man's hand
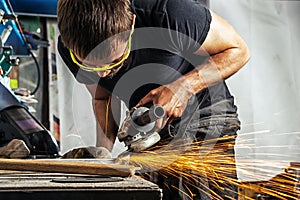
88	152
172	97
15	149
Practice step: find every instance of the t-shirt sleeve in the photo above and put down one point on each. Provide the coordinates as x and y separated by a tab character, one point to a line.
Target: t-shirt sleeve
80	75
191	20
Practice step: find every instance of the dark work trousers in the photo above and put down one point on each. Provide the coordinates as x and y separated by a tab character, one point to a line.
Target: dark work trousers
211	132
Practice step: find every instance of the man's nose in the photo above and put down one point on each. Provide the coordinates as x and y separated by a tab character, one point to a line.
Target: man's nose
103	74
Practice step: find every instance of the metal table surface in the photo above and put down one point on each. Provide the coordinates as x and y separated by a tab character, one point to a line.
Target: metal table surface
48	186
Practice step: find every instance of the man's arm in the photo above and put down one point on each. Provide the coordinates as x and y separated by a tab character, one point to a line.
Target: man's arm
106	126
228	53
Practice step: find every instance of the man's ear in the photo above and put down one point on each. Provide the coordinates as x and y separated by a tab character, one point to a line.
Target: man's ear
133	20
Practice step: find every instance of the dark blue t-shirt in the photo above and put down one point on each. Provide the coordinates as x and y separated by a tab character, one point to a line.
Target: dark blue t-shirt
166	34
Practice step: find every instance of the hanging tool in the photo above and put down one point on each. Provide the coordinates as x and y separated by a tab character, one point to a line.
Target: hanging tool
7	59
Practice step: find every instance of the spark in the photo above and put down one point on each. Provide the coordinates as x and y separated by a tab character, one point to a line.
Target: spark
197	161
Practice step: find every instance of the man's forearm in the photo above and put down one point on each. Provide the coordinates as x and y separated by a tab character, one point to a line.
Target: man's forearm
227	53
218	67
106	126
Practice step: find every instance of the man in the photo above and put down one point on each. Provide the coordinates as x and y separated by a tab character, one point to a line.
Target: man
173	53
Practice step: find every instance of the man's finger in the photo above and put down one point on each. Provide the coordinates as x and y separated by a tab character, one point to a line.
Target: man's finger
159	123
146	99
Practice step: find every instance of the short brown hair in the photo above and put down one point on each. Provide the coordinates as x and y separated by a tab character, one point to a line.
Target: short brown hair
83	24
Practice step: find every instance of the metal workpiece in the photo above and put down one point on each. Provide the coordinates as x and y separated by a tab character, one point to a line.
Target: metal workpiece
49	186
67	166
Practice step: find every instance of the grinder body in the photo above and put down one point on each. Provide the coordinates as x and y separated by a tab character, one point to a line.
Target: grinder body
138	130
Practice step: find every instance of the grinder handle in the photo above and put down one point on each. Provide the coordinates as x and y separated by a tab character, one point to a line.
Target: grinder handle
154	113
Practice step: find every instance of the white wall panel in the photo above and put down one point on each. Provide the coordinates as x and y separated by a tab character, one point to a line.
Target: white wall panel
267	88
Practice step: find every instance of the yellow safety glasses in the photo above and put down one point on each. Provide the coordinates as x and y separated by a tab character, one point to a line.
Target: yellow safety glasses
106	67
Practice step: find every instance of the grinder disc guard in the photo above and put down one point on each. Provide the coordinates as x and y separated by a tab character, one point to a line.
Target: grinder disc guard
145	143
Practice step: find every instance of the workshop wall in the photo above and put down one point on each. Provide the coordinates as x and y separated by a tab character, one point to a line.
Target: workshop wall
71	113
267	89
54	118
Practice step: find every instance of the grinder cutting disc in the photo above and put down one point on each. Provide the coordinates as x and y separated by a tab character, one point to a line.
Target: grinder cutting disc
145	143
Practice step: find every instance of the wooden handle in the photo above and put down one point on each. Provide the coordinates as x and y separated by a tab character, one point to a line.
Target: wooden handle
61	166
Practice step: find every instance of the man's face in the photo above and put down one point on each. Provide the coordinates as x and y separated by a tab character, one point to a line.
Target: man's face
115	59
111	64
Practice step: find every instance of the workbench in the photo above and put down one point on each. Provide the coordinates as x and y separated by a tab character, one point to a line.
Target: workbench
16	185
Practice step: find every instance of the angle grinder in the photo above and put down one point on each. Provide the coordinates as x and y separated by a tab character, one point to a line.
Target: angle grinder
138	130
